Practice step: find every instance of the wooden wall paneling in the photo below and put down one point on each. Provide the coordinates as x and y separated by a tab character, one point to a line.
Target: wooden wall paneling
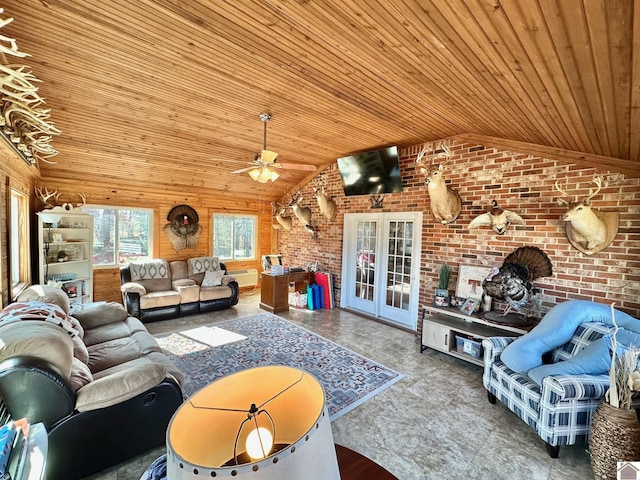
107	281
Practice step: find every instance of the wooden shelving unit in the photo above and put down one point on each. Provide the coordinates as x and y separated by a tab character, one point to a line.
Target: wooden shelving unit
66	254
439	330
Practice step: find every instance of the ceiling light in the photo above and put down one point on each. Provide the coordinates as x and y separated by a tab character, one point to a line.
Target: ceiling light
263	174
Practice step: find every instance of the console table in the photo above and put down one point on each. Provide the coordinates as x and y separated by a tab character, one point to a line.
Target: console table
439	330
274	290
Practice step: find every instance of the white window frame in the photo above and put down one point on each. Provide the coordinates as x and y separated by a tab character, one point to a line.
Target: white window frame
20	262
149	211
254	218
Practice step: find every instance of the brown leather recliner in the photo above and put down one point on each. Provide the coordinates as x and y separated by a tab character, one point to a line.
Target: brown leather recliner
97	380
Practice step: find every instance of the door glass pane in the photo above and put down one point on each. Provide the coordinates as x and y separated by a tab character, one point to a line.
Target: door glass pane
399	265
365	259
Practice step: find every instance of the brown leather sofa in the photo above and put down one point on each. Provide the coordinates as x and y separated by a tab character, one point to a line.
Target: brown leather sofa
158	289
98	381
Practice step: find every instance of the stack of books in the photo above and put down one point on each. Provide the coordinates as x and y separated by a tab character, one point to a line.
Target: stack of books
14	442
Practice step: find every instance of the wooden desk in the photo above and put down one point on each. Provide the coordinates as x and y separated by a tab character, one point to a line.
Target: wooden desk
274	290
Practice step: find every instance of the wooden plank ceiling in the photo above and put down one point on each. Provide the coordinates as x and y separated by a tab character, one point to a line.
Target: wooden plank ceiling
166	94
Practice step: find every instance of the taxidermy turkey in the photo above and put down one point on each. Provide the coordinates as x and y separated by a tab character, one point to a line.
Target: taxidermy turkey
513	281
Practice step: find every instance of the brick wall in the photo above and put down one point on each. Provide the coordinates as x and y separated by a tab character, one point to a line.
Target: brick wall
521	183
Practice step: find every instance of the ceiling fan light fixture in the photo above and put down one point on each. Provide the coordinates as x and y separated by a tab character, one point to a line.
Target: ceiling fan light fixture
267	156
255	174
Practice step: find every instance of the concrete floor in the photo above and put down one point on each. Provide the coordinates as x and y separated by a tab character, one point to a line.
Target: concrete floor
436	423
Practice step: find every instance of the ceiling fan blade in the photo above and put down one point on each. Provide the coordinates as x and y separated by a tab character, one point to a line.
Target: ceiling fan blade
242	170
295	166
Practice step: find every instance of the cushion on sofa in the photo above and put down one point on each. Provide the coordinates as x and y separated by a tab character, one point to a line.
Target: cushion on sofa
146	342
214	293
179	270
167	298
119	386
101	313
107	354
46	294
213	278
188	294
104	333
149	270
80	374
202	264
594	359
135	325
38	339
153	275
556	328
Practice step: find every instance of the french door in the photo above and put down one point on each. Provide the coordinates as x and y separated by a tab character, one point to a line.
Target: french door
381	265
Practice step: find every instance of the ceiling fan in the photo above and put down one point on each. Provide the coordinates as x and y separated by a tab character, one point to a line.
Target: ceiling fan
263	167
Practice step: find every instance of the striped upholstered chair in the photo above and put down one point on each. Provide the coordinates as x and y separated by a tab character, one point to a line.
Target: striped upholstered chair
558	407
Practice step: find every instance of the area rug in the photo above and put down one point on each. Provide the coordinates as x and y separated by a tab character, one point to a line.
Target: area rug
349	379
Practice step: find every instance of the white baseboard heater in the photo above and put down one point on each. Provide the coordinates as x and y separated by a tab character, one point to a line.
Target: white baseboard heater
245	278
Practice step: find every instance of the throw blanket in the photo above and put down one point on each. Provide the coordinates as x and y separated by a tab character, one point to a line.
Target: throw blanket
46	312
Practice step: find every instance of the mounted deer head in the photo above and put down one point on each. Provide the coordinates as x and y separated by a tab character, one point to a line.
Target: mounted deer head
588	229
445	203
303	213
278	210
496	218
327	205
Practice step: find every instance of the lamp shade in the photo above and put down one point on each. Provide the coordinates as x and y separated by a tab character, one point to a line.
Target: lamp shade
203	432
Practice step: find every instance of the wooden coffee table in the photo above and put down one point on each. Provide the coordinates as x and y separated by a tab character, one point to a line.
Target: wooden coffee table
354	466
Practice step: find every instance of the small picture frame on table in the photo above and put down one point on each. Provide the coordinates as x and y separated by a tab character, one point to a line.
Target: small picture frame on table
441	298
457	301
469	306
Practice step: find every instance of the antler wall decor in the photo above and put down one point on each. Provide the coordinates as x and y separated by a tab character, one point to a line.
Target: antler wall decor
445	203
23	120
328	206
50	200
588	229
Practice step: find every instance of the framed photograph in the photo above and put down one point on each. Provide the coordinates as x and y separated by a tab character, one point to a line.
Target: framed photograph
470	279
457	301
441	298
57	238
469	306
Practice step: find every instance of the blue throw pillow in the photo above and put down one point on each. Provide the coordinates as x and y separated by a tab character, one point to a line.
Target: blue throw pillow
594	359
556	328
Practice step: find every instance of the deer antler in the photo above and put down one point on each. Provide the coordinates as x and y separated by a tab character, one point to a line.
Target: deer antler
46	195
557	186
84	200
598	182
441	154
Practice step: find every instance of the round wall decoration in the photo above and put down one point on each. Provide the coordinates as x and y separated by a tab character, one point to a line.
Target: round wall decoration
183	229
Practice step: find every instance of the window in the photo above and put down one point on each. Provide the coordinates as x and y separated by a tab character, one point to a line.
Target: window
234	237
19	236
121	235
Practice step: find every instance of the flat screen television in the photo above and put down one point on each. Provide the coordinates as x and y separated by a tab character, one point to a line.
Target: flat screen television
371	172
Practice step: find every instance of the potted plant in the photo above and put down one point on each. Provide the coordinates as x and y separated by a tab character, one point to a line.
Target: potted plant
441	298
615	430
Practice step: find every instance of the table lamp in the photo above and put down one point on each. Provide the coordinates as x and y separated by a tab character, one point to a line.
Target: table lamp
281	409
